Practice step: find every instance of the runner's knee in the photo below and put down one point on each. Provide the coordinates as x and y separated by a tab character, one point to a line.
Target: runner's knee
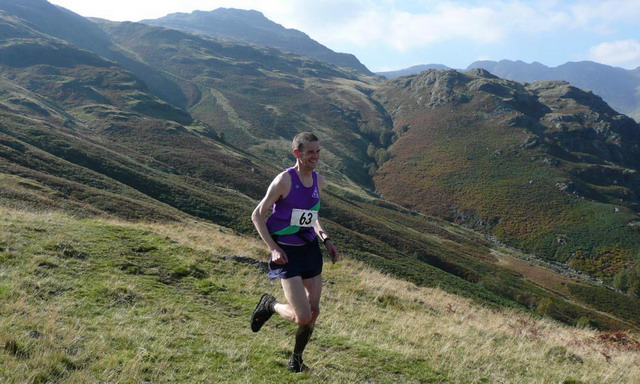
303	318
307	317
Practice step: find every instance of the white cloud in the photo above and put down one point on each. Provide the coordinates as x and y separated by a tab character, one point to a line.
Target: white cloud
621	53
484	58
603	15
405	24
403	30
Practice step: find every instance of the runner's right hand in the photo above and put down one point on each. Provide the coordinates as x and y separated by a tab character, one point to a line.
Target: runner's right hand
278	256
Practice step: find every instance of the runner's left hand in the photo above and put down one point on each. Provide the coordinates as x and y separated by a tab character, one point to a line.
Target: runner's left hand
333	251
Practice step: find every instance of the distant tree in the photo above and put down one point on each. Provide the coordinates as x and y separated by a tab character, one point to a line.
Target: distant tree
585	322
381	156
628	280
385	138
371	150
399	132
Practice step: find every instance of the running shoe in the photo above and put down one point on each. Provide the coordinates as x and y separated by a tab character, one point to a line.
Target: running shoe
295	364
263	312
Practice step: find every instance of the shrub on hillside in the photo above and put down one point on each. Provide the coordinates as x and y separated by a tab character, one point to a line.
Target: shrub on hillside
628	280
603	263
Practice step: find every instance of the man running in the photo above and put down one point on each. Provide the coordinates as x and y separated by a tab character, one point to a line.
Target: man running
292	233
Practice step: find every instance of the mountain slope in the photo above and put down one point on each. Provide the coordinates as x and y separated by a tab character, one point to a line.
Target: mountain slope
257	98
61	103
244	26
39	16
543	166
102	300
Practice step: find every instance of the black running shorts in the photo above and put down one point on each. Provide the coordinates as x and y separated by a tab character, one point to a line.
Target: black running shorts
304	261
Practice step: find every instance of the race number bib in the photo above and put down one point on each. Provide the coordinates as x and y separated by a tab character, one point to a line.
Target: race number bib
303	217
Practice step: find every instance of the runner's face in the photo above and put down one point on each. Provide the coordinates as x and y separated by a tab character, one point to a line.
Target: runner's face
309	155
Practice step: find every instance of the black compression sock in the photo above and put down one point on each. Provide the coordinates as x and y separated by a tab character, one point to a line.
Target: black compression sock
303	334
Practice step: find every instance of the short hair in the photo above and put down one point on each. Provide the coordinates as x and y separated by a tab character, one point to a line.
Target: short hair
301	138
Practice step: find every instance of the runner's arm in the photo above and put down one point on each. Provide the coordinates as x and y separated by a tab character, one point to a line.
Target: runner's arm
279	187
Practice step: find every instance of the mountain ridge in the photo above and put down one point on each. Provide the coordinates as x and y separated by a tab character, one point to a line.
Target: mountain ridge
249	26
617	86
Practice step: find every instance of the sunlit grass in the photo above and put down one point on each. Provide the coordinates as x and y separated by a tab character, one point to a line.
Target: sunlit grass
112	301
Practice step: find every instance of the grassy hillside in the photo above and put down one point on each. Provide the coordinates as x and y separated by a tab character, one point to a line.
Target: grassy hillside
90	300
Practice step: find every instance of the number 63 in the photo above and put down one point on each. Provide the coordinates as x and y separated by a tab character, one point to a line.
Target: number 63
306	218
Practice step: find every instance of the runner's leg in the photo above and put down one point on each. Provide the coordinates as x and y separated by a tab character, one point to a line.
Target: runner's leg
313	288
297	309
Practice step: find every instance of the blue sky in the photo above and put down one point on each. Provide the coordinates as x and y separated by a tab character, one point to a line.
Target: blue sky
395	34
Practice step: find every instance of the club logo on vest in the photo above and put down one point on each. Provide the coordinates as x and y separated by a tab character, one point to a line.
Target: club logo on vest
315	195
